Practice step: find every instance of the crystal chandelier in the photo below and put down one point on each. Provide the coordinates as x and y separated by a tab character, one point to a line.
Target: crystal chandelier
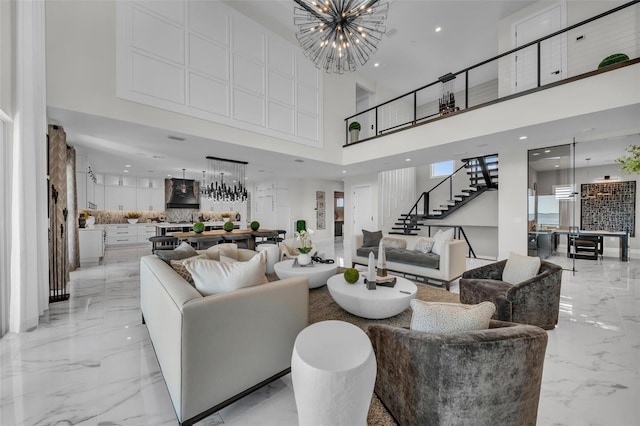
335	34
225	182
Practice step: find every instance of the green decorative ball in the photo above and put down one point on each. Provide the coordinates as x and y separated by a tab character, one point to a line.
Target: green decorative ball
351	275
255	225
198	227
228	226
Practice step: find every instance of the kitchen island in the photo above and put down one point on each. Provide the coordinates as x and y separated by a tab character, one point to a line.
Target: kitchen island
168	228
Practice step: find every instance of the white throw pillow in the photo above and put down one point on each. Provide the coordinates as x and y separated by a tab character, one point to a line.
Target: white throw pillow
440	239
226	249
424	245
520	268
214	277
444	318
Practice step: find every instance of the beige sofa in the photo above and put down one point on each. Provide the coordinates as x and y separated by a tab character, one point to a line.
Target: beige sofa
213	350
451	265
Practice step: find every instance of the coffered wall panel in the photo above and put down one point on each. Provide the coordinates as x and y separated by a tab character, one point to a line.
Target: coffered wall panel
206	60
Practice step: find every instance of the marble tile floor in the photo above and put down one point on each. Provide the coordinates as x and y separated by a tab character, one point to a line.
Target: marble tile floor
90	361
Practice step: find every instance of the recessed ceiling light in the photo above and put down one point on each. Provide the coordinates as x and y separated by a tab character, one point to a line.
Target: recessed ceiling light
246	178
522	138
557	165
169	175
344	171
127	165
438	29
536	153
408	159
547	150
125	171
298	160
376	65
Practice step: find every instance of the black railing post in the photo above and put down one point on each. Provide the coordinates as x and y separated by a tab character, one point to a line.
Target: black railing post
376	120
346	132
451	187
466	89
539	61
415	107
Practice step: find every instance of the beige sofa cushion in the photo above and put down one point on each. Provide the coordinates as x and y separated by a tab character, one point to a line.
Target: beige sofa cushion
440	239
215	277
226	249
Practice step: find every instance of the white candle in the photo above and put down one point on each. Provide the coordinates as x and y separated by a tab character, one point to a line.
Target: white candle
371	269
382	258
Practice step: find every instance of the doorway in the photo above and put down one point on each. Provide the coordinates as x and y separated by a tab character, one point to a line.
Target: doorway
362	209
338	213
552	51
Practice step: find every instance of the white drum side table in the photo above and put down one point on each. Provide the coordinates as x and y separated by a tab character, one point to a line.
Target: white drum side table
383	302
273	255
333	369
318	274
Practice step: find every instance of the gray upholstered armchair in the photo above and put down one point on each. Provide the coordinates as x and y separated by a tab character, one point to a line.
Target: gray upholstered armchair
535	301
482	377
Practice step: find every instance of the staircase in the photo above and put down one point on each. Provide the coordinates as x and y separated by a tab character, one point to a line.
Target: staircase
482	173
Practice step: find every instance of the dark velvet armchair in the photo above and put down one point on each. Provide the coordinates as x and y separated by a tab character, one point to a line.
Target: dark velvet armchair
482	377
535	301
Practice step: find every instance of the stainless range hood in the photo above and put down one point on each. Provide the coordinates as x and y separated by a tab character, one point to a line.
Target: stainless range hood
185	193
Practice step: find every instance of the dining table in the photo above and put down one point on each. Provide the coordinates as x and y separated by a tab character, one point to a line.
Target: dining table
251	234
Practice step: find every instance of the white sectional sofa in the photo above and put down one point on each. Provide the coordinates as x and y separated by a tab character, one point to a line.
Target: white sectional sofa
452	259
213	350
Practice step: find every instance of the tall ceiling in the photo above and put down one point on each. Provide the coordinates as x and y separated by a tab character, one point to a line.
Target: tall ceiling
411	55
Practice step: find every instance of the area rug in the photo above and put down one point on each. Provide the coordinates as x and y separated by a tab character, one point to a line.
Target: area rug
322	307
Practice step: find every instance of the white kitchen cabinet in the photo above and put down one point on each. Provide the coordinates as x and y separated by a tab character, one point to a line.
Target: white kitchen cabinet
91	245
145	232
150	183
121	234
120	198
148	199
157	199
113	180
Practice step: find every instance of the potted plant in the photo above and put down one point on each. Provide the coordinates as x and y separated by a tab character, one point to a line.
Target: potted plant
228	226
82	218
132	217
226	216
631	163
305	247
255	225
613	59
354	130
198	227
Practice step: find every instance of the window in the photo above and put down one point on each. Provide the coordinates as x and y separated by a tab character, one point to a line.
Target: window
442	169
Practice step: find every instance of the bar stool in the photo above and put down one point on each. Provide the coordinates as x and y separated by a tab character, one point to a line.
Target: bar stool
163	243
202	243
242	240
265	236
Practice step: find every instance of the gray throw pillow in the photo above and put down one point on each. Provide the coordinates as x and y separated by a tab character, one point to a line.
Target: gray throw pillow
183	251
371	239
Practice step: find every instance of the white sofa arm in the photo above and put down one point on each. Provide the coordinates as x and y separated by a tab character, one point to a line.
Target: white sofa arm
234	340
453	259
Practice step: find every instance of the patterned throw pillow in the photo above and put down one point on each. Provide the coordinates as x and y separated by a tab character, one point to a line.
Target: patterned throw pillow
520	268
445	318
394	243
178	266
424	245
214	277
183	251
371	239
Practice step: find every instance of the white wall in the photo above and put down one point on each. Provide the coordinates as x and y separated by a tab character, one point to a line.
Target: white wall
81	76
6	57
512	203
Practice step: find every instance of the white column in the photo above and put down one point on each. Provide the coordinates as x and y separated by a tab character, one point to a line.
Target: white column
29	248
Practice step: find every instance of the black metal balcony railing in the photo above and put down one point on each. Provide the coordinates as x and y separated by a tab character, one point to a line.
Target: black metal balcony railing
490	81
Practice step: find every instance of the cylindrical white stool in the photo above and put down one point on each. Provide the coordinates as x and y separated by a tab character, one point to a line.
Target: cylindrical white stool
273	255
333	370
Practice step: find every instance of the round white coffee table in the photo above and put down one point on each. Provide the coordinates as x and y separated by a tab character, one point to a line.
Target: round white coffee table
318	274
333	370
383	302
